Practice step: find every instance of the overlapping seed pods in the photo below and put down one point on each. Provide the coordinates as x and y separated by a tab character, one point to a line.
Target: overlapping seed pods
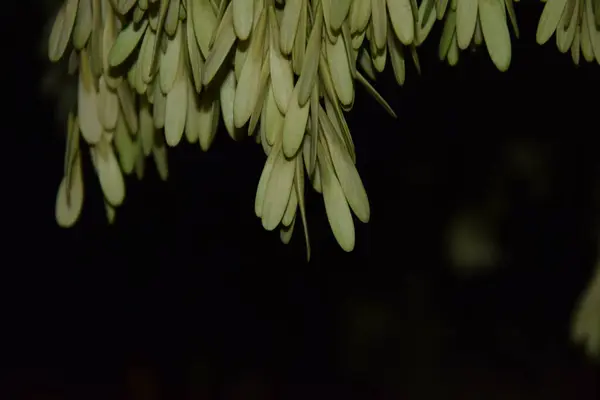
469	23
392	30
295	80
109	116
151	72
576	26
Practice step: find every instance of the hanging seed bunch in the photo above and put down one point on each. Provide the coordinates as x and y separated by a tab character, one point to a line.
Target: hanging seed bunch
469	23
294	71
392	29
110	116
150	72
576	26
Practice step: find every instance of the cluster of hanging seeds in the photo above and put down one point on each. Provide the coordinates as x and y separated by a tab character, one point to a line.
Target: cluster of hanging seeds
151	72
469	23
576	25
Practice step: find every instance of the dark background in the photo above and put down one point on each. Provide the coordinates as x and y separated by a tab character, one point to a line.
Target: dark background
187	279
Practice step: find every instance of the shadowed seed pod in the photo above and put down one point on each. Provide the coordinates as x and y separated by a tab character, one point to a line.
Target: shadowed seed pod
576	26
585	327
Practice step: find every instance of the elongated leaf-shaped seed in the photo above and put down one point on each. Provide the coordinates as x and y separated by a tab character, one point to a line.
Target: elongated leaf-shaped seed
176	107
299	187
126	43
495	32
243	11
594	30
308	75
89	122
360	13
289	25
401	16
294	125
195	56
336	207
170	60
109	172
83	24
172	17
447	34
299	49
208	119
224	40
261	188
62	29
248	87
264	88
549	20
345	171
127	102
379	23
227	97
565	31
339	66
510	8
282	76
278	191
205	23
339	14
397	58
466	19
69	199
291	208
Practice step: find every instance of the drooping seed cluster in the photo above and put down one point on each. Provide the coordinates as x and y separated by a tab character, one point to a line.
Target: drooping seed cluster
576	25
151	72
